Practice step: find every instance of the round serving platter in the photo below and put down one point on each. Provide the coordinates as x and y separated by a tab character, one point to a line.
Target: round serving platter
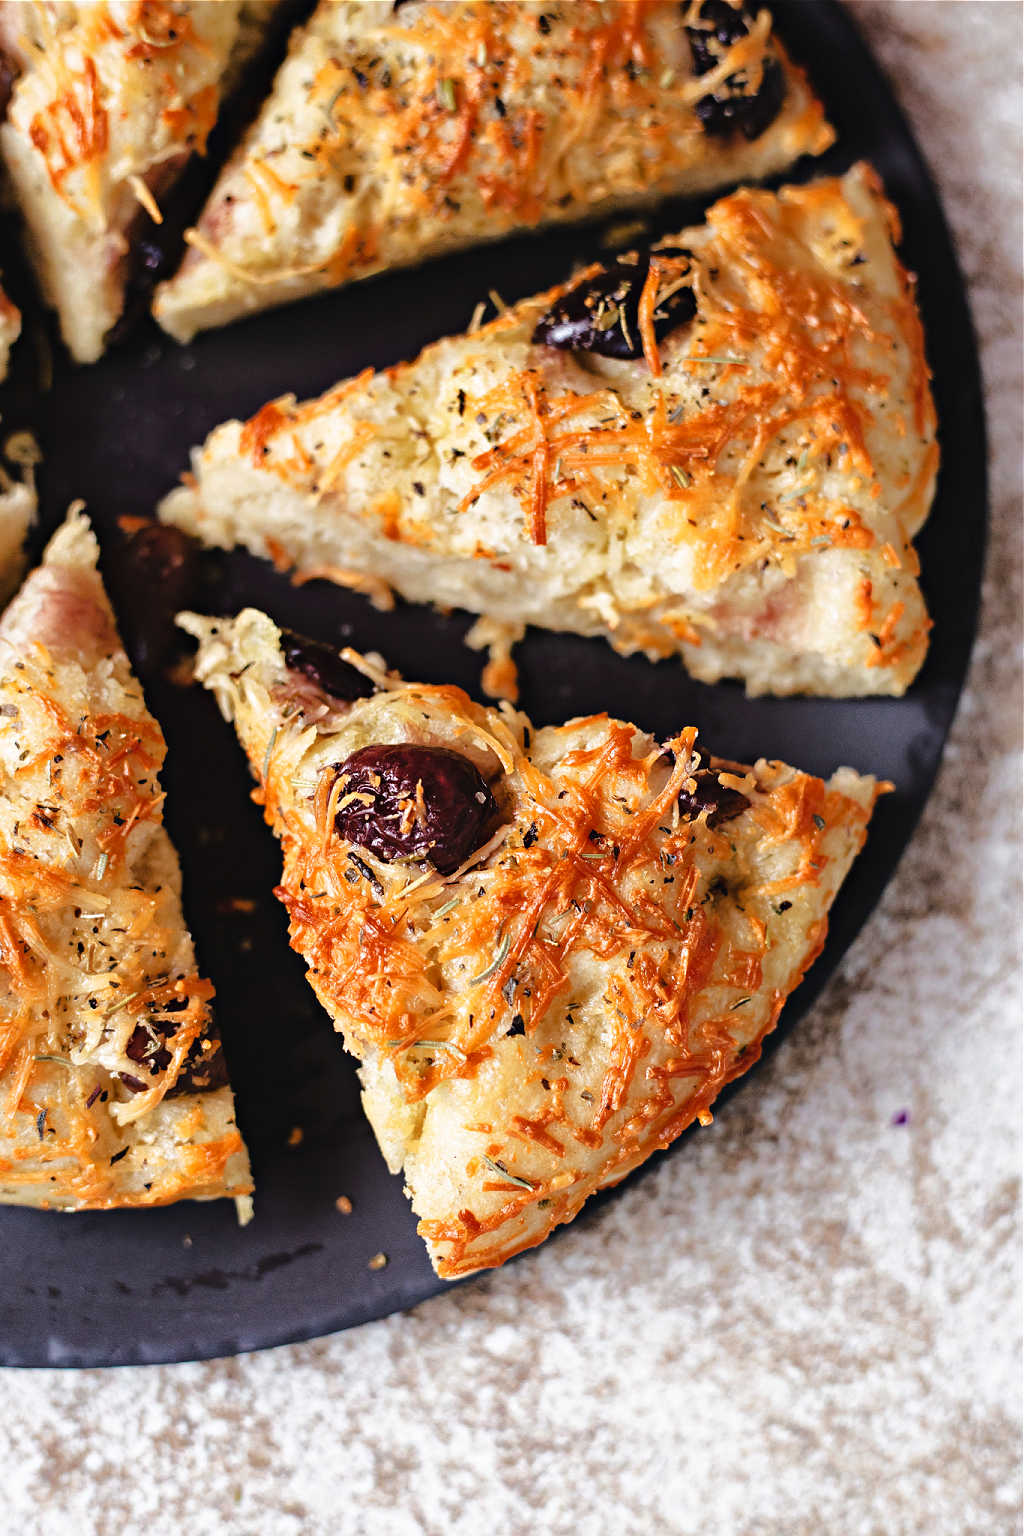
186	1282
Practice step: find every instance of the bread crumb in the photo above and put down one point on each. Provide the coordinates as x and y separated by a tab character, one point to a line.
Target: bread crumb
295	1136
500	679
181	674
625	232
378	1261
344	1205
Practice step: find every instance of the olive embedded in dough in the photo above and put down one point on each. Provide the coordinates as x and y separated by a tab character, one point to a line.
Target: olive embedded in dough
733	106
708	794
602	313
413	801
322	665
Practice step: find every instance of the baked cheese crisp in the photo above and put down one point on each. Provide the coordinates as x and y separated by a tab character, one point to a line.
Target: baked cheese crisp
396	132
719	450
113	1089
549	949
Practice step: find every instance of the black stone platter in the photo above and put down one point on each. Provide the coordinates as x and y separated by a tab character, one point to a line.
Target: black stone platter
186	1282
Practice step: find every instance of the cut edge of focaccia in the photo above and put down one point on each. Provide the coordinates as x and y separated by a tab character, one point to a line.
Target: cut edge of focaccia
113	1089
17	513
620	932
17	497
19	505
742	494
392	135
10	330
105	112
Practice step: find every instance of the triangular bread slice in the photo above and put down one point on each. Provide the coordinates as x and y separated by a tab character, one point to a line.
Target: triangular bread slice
113	1089
109	103
397	131
737	484
549	949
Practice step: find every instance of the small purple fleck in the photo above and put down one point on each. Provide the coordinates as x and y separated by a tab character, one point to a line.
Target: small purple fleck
901	1117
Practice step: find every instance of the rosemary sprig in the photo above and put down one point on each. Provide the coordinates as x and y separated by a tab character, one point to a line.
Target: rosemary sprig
434	1045
496	963
266	755
513	1178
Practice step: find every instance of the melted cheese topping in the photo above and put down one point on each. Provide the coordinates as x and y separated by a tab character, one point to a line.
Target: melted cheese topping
391	134
534	1024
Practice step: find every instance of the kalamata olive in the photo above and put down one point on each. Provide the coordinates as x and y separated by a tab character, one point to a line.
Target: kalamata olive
724	24
602	313
145	1048
322	665
155	578
733	107
419	802
203	1070
721	803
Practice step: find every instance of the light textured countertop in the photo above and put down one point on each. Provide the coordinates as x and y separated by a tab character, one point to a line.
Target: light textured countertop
809	1323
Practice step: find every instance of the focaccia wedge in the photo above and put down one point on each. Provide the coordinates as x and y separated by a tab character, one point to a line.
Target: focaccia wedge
397	131
549	949
720	451
113	1089
110	100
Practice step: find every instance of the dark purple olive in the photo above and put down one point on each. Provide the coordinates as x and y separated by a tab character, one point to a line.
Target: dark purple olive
721	803
144	1047
602	313
156	576
724	24
203	1070
732	107
415	802
322	665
